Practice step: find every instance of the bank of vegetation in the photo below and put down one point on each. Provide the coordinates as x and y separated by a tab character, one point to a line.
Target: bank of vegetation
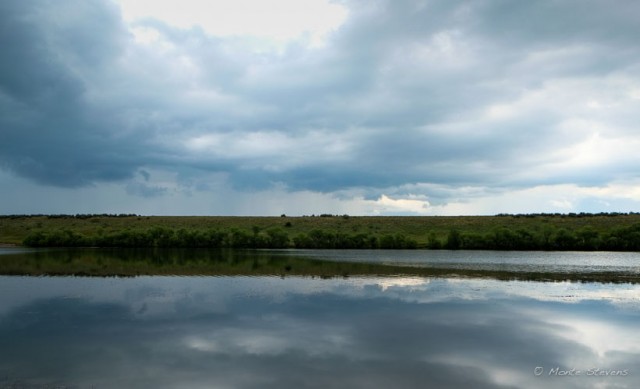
219	238
589	232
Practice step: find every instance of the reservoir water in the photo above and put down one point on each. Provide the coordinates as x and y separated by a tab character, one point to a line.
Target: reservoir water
306	331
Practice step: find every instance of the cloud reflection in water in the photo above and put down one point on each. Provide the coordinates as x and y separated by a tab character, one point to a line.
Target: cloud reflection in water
257	332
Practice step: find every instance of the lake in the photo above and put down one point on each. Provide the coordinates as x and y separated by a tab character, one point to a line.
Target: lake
281	330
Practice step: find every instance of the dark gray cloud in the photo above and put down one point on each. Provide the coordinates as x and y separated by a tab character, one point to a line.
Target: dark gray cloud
489	93
57	135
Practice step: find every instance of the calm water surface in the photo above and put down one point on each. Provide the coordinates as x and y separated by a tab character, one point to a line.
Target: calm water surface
530	261
297	332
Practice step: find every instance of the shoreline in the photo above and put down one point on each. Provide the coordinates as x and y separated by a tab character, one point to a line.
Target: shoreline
168	262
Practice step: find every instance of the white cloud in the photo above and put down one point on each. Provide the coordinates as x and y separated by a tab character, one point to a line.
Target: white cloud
387	205
278	20
615	197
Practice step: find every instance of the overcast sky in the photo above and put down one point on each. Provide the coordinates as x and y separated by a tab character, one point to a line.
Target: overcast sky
254	107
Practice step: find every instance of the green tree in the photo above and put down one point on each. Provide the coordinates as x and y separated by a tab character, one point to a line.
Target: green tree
454	240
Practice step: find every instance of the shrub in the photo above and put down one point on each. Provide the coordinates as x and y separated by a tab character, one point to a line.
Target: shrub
454	240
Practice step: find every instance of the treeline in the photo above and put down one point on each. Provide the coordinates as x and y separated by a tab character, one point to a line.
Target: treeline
69	216
502	238
324	215
561	239
233	238
318	239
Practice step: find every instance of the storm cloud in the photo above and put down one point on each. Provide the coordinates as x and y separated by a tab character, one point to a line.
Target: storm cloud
426	100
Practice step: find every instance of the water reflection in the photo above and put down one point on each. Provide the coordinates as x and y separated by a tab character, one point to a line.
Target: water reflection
519	261
534	266
367	332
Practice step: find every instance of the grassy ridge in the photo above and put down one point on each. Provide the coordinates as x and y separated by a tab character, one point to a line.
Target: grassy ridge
543	231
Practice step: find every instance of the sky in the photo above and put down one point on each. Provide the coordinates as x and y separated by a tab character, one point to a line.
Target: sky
379	107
